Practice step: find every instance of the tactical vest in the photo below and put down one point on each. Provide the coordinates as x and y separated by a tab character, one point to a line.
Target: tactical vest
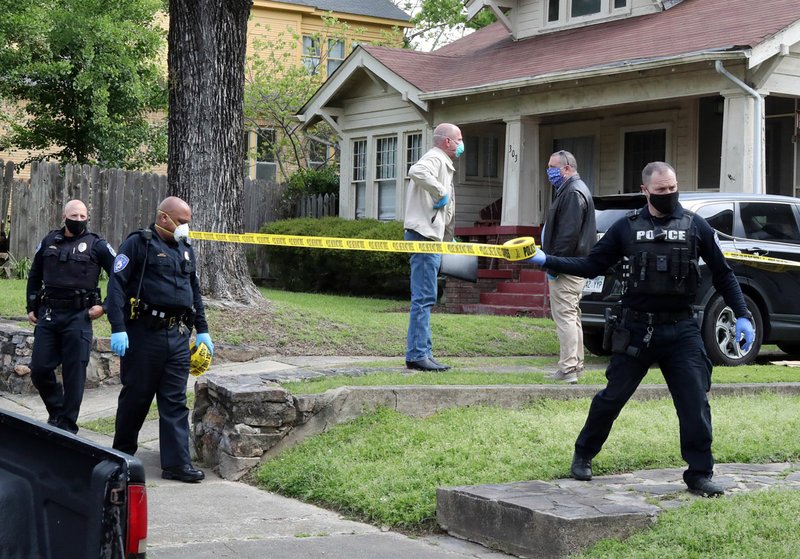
661	260
67	262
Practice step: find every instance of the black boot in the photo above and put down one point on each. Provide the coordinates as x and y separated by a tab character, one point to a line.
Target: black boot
581	468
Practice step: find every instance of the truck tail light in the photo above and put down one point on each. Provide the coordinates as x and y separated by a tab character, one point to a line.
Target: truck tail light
136	544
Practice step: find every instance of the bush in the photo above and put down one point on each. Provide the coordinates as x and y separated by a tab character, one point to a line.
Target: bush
306	182
352	272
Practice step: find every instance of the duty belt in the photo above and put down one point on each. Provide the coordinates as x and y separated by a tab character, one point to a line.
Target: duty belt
160	319
77	302
659	317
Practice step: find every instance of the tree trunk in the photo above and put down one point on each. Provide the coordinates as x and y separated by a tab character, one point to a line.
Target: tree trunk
207	43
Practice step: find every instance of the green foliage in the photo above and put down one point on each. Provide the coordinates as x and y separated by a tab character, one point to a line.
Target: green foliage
81	77
20	268
309	182
339	271
434	19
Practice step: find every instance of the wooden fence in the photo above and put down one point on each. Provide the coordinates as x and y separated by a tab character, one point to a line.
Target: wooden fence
118	201
322	205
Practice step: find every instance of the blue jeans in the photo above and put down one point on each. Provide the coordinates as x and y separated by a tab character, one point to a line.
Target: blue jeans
424	271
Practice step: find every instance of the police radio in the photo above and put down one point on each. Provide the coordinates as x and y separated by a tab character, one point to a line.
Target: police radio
136	302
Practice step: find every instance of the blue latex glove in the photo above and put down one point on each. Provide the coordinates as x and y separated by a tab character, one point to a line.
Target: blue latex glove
119	343
538	258
442	202
551	277
745	328
205	339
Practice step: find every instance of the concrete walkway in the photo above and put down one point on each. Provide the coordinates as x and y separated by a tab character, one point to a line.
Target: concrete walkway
219	519
223	519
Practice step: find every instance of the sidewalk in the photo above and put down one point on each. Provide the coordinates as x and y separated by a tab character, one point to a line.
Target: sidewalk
219	519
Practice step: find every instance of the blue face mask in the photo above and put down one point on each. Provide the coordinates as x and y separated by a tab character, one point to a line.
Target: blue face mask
554	176
460	149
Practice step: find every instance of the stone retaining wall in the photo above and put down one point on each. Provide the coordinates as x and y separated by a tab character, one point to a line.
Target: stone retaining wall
16	346
240	420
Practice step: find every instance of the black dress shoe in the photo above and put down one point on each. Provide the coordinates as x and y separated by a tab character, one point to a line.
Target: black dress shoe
581	468
183	473
435	362
424	365
705	487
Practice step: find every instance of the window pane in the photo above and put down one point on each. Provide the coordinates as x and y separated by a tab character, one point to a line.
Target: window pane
585	7
386	199
265	145
335	49
771	222
719	216
311	53
471	145
413	149
552	10
386	158
361	193
640	149
266	171
491	147
620	3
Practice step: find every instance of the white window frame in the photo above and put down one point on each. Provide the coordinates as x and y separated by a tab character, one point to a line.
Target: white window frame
387	162
334	59
408	156
269	163
358	181
311	57
481	177
607	9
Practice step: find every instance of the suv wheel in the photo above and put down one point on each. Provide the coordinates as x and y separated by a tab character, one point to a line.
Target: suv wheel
593	342
719	324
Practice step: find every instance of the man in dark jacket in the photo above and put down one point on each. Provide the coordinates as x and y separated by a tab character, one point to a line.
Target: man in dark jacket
570	230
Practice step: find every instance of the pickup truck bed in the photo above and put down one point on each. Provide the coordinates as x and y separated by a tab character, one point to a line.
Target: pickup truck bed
64	497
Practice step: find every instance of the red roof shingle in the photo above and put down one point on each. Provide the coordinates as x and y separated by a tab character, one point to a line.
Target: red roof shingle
490	55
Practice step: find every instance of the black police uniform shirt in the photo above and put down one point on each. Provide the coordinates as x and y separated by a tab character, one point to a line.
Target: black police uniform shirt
66	265
170	279
614	244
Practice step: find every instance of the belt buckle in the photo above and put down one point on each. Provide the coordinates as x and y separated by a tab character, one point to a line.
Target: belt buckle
171	322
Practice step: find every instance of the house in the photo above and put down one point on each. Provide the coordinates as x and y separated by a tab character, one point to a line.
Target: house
710	86
370	21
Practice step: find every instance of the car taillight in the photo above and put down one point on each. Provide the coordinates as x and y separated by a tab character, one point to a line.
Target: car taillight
136	543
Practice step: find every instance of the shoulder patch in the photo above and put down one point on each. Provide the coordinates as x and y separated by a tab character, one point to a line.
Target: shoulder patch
120	262
111	249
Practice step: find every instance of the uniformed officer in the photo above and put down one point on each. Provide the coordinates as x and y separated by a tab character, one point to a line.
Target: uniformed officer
660	246
153	303
62	300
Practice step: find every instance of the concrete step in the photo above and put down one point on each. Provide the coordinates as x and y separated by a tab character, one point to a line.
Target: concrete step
552	520
523	300
533	276
505	310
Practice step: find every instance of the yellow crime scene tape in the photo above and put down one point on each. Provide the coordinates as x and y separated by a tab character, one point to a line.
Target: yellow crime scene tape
764	262
515	249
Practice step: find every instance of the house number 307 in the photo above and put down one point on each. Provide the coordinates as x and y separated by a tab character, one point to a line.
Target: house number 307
513	154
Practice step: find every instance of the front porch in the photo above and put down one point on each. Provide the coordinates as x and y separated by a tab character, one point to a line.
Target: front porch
503	287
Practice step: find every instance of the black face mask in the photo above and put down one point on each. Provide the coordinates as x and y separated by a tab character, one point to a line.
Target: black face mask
664	203
75	227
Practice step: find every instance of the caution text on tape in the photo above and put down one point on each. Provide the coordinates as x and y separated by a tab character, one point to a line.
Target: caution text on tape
515	249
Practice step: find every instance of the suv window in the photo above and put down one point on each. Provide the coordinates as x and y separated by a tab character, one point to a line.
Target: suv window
771	222
719	216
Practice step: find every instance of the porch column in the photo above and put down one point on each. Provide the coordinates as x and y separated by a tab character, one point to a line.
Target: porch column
522	173
346	196
739	145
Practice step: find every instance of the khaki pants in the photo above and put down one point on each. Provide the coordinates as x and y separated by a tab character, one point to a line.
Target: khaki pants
565	294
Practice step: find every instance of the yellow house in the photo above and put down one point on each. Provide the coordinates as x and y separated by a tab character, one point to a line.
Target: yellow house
370	20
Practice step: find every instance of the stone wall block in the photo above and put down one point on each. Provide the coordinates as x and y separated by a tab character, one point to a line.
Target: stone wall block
264	414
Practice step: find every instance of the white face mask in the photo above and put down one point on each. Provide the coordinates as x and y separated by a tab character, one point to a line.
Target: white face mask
181	232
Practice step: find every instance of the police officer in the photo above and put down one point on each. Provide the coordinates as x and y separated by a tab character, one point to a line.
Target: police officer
153	303
62	300
660	246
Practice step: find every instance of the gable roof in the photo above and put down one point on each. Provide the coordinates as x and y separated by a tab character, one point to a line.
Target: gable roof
690	29
374	8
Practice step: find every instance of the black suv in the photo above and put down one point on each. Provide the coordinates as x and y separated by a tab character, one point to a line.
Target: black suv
753	224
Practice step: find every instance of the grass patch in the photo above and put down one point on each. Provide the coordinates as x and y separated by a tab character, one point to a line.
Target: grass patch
467	372
716	528
384	467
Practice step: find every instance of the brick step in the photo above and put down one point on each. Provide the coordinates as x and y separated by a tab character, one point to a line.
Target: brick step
532	288
513	299
532	276
505	310
495	274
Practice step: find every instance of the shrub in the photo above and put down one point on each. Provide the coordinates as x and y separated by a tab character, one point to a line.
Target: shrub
353	272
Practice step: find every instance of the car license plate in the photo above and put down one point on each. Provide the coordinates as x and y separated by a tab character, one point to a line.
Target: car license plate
594	285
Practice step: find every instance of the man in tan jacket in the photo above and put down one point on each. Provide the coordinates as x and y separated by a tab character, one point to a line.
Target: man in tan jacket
430	216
